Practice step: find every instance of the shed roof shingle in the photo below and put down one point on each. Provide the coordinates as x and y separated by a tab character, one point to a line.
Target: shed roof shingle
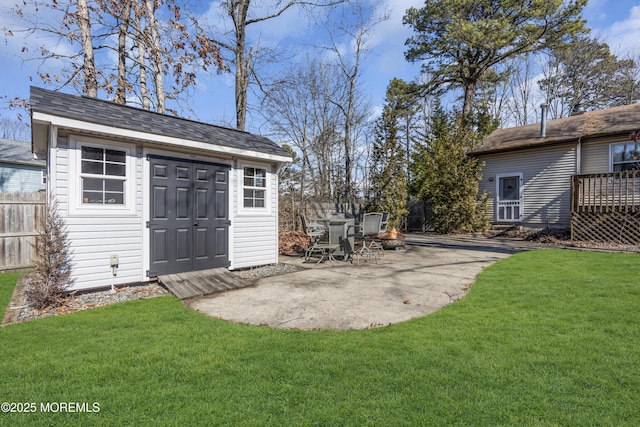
616	120
125	117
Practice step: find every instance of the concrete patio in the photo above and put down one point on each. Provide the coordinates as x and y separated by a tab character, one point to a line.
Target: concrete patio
431	272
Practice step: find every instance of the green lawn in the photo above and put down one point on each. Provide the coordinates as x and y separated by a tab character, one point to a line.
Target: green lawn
7	283
550	337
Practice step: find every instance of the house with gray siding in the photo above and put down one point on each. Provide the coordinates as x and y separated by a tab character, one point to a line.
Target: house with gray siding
528	170
152	194
20	171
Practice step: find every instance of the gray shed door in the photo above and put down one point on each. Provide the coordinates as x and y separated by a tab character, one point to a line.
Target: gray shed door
189	226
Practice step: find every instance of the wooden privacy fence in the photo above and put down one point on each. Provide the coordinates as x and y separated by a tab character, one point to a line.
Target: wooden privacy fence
606	207
21	218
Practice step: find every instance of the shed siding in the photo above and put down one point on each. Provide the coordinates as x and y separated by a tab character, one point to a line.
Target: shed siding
60	156
255	235
95	237
595	154
21	178
547	177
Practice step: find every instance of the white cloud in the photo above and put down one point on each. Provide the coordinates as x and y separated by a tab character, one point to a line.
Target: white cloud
392	31
623	36
291	24
595	10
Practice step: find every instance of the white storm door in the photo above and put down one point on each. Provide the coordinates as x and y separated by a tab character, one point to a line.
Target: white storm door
509	203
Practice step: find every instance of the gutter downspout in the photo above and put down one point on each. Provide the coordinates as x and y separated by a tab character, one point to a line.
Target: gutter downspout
579	156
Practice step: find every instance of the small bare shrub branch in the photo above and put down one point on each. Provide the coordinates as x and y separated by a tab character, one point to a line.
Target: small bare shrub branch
48	285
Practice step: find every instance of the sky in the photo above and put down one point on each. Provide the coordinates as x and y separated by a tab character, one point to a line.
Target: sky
617	22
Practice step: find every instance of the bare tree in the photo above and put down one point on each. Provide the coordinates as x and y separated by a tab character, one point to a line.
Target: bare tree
352	104
301	112
155	54
123	32
89	66
92	30
14	129
629	79
141	60
492	93
62	23
521	106
243	57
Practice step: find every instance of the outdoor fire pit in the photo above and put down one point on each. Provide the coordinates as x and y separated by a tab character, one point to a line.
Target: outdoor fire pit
392	240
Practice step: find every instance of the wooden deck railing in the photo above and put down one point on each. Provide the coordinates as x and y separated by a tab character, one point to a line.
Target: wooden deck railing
605	207
606	192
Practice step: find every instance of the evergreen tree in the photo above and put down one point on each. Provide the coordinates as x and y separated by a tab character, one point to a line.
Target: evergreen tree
460	42
446	177
388	170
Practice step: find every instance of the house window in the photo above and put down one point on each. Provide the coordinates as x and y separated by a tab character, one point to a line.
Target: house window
625	156
43	177
103	174
254	187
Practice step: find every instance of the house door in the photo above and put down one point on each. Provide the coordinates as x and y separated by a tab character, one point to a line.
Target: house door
189	216
509	203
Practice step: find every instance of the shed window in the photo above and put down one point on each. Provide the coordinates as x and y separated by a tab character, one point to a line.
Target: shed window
625	156
254	187
103	175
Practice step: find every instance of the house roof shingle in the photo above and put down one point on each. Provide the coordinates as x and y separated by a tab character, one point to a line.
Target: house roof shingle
130	118
616	120
18	152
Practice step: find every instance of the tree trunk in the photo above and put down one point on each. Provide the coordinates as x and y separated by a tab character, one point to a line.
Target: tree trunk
303	167
469	91
121	89
156	56
238	11
89	67
348	167
352	75
242	85
142	63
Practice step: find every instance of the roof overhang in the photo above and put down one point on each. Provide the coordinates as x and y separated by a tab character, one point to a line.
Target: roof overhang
524	146
81	125
36	164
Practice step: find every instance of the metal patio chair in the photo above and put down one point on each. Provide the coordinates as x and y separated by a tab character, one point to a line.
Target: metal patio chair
368	228
314	231
376	242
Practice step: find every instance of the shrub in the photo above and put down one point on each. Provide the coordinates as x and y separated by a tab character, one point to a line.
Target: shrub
47	286
447	178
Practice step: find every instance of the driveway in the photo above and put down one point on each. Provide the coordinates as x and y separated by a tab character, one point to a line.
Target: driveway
431	272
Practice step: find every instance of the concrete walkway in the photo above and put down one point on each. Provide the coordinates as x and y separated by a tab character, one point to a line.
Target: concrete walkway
431	272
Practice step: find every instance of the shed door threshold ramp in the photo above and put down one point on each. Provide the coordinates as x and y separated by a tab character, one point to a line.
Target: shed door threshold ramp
204	282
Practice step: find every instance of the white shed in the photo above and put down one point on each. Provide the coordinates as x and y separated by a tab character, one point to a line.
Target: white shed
159	193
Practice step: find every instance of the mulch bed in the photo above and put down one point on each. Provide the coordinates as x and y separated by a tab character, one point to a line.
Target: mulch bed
562	237
80	301
83	301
